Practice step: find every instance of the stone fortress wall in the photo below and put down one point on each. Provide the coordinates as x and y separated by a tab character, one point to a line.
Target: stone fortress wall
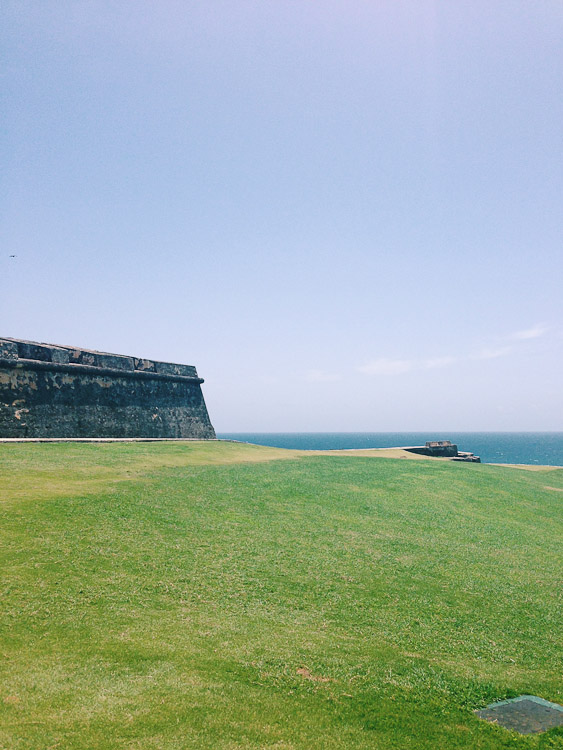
51	391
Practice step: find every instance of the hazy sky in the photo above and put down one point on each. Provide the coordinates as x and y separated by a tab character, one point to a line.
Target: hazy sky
347	214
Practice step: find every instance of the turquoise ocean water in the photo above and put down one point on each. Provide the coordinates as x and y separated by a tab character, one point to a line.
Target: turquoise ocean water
545	448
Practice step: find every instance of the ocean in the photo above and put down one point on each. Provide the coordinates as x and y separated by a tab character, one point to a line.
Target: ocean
541	448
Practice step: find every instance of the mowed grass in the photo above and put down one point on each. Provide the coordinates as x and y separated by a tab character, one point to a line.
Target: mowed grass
167	596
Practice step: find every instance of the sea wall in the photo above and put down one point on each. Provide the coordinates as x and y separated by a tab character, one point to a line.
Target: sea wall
59	391
437	451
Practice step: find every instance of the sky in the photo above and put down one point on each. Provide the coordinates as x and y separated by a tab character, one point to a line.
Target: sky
346	213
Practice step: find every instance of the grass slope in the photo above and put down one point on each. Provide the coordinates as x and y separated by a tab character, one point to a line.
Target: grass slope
167	596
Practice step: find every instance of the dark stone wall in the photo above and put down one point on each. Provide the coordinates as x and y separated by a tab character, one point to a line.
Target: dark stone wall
447	451
56	391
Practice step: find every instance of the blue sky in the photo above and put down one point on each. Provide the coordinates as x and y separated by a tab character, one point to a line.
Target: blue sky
346	214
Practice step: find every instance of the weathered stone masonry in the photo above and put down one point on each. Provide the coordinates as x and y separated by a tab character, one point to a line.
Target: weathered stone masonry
59	391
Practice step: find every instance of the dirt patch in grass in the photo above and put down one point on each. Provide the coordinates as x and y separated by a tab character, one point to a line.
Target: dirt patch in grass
307	675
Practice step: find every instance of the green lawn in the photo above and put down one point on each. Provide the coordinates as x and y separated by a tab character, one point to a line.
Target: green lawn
212	596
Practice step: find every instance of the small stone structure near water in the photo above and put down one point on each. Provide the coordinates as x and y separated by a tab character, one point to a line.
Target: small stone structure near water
51	391
443	449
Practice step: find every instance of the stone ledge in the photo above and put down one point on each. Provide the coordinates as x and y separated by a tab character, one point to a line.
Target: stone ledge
14	350
34	364
9	441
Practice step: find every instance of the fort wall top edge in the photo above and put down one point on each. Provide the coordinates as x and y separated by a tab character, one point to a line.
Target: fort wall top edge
39	355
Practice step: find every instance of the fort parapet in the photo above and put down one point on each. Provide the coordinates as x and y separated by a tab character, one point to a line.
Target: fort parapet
51	391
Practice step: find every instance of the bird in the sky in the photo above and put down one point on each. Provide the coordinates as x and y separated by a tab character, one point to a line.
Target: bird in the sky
13	256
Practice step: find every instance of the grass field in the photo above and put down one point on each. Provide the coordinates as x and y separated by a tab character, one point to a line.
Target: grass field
215	596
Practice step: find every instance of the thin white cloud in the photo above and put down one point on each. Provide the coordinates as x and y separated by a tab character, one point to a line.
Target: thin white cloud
431	364
529	333
322	376
384	366
492	353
